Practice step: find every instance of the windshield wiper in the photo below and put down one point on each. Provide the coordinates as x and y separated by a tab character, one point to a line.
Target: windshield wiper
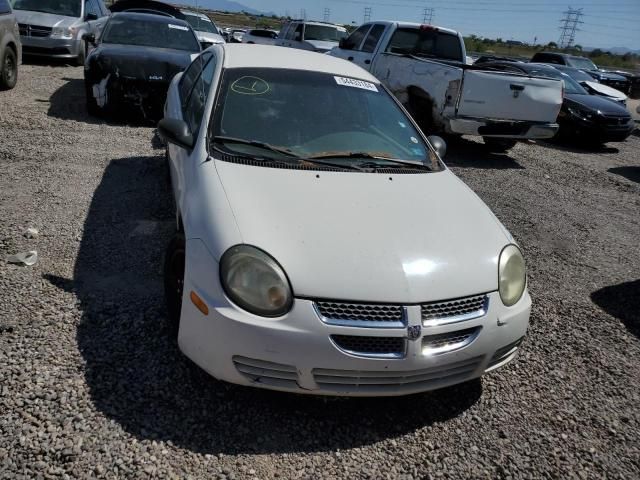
255	143
365	155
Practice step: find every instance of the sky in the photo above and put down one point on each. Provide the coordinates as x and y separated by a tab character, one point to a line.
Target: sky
607	23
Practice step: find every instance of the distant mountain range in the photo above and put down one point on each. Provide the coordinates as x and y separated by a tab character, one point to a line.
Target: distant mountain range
616	50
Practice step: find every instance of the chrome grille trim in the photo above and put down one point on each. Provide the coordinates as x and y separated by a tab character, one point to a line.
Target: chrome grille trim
395	381
345	314
371	347
34	30
455	310
268	373
449	342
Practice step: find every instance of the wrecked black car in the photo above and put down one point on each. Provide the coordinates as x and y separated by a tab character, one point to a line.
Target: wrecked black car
133	62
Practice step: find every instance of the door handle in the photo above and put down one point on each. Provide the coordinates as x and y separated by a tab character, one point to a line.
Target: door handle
350	59
367	62
517	88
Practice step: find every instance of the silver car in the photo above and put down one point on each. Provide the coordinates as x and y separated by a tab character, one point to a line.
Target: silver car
10	49
54	28
206	31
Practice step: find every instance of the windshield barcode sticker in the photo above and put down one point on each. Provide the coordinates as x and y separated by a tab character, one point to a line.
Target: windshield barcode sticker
178	27
352	82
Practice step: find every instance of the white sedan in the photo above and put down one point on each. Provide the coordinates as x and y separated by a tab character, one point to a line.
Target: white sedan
322	246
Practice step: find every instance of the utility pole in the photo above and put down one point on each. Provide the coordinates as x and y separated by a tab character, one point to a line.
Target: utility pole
327	14
427	16
367	14
569	27
303	14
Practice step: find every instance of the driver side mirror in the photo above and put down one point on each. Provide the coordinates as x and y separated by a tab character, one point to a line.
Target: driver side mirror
175	131
89	38
438	144
91	16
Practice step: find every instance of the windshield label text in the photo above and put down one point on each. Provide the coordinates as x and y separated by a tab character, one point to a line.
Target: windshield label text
352	82
178	27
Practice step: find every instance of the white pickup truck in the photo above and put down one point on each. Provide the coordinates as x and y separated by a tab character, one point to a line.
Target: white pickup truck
424	67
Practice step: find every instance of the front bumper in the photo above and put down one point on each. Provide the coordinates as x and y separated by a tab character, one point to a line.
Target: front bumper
602	130
502	128
50	47
297	353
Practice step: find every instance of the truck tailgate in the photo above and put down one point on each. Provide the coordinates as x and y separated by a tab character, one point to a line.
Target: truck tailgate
506	96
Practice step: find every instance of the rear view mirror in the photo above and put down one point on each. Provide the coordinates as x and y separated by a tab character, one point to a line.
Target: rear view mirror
177	132
438	144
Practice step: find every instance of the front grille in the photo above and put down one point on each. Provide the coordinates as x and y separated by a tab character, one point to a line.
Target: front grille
268	373
34	30
390	347
614	121
357	381
361	314
456	310
448	342
45	51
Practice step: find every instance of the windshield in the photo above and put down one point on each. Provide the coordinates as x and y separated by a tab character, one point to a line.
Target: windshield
201	24
67	8
584	63
570	85
145	33
311	114
326	33
578	75
426	42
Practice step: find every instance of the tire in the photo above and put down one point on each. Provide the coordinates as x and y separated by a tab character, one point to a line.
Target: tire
499	145
82	54
174	261
8	69
92	105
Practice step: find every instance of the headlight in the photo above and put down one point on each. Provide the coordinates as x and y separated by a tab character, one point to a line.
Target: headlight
63	32
255	281
512	276
581	113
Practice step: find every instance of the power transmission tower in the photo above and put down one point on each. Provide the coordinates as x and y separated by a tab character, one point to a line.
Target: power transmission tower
569	27
327	14
427	16
367	14
303	14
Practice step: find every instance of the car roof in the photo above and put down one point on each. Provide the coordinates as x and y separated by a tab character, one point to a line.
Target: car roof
268	56
150	17
414	25
195	14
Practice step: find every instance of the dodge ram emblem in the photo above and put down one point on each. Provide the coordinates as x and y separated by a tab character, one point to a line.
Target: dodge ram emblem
413	332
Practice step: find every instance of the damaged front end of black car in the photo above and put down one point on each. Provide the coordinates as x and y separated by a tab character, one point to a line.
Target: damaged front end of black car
128	72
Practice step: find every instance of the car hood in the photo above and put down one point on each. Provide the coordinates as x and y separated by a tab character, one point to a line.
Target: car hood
368	237
606	90
322	45
599	103
608	75
143	63
209	37
44	19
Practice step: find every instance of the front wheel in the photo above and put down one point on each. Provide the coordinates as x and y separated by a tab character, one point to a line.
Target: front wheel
174	262
499	145
8	70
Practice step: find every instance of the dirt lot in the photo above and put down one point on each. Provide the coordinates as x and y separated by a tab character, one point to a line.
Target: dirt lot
93	385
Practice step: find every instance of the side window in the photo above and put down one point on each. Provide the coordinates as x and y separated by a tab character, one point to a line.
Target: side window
297	36
4	7
190	75
355	39
373	38
198	98
283	32
91	7
103	8
291	31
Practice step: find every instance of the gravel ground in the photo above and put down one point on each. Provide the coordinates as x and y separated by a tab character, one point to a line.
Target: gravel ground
93	385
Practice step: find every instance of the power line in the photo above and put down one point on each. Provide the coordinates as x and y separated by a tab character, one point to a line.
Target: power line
569	26
427	16
367	14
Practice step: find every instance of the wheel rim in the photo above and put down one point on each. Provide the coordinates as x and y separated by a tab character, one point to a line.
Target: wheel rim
9	68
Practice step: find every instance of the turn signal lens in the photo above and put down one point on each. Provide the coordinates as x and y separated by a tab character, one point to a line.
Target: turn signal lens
199	303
